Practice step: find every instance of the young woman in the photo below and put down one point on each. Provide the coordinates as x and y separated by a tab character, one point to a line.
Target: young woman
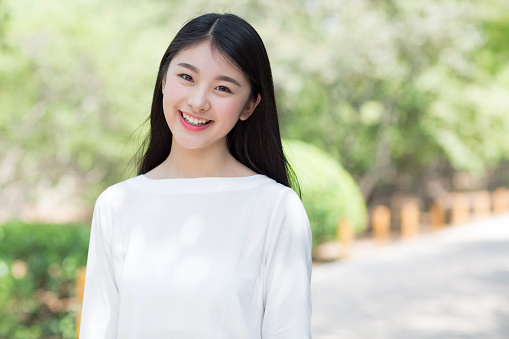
209	240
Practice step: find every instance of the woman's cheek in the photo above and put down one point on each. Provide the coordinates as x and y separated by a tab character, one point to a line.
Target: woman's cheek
229	108
174	89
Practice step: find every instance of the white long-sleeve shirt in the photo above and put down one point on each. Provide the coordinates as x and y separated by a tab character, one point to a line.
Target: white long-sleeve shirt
198	258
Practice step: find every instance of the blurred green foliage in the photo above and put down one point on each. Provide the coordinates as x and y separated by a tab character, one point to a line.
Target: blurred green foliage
401	93
328	192
37	279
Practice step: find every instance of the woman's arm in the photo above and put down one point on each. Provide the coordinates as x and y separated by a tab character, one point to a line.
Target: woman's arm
287	293
99	315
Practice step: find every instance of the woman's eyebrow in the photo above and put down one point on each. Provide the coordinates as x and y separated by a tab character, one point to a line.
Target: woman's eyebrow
225	78
221	77
191	67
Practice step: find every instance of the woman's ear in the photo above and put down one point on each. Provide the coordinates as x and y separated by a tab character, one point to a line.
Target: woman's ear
250	107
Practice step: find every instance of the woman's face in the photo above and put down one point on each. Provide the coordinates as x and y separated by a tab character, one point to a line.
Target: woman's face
204	96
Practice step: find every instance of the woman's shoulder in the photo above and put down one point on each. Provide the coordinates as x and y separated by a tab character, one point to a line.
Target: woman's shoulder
281	200
116	192
280	191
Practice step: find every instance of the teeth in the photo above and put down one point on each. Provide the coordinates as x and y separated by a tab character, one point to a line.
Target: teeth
193	121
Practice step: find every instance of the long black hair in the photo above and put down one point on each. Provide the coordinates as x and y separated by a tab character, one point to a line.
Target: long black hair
256	141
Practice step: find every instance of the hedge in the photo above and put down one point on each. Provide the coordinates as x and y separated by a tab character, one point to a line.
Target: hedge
328	191
37	273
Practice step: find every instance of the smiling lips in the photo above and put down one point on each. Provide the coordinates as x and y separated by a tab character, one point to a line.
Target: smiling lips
193	124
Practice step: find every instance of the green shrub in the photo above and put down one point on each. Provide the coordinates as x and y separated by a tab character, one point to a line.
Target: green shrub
329	193
37	272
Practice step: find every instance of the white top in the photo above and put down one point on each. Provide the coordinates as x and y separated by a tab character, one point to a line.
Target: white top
198	258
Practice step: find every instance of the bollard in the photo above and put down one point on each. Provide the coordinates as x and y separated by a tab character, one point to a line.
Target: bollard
346	235
482	204
460	213
409	220
80	287
500	201
437	214
381	221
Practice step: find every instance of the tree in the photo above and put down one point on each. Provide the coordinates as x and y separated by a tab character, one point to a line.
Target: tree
395	89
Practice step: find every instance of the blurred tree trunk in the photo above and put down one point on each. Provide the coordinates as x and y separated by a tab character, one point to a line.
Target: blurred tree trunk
369	180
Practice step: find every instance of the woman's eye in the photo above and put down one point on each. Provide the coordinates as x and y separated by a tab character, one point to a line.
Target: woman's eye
186	77
223	89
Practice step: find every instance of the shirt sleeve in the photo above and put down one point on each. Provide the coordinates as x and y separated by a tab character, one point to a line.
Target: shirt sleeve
99	315
287	292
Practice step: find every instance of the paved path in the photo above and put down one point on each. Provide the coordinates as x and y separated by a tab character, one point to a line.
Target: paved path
449	284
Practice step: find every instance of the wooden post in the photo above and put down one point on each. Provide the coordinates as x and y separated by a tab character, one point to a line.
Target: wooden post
482	204
346	235
460	213
500	201
437	214
80	287
381	221
409	220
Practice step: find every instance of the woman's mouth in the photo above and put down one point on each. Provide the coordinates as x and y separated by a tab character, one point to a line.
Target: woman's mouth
194	121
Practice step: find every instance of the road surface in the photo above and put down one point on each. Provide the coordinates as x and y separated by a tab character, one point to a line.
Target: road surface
450	284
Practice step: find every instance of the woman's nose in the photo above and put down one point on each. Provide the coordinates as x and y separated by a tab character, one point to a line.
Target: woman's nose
198	99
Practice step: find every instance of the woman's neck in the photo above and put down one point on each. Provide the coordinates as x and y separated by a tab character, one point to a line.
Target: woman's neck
198	163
